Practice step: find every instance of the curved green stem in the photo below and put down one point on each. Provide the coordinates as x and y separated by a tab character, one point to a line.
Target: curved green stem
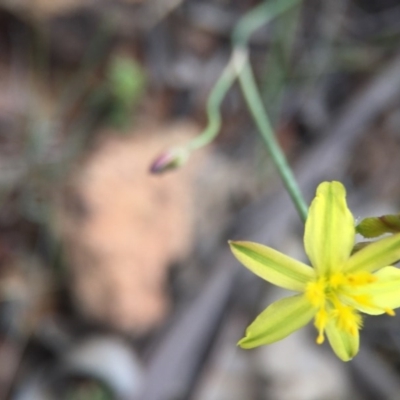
256	107
259	16
239	66
217	95
250	22
253	20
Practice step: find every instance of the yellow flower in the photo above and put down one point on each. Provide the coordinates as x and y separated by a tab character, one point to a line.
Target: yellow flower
336	290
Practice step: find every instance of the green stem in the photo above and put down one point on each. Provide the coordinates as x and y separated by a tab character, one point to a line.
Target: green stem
240	67
215	99
250	22
253	20
259	16
256	107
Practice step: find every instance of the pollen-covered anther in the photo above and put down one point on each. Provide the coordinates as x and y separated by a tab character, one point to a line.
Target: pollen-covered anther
320	338
390	312
363	300
348	319
321	319
337	280
361	278
366	301
315	293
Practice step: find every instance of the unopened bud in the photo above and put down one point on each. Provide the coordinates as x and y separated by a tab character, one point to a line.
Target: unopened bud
376	226
169	160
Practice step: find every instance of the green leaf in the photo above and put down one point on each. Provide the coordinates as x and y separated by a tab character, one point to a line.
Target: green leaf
376	226
126	79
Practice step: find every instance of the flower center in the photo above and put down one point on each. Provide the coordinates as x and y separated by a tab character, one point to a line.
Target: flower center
337	300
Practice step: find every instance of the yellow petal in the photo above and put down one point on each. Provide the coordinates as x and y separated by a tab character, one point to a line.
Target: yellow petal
377	255
277	321
329	233
344	344
384	293
272	265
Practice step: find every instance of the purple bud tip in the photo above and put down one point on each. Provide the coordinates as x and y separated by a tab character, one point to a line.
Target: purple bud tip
169	160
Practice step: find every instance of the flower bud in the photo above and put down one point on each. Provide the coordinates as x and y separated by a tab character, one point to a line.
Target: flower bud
169	160
377	226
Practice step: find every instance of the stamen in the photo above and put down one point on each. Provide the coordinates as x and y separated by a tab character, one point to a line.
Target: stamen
320	338
315	293
348	319
321	320
337	279
367	301
361	278
362	300
390	312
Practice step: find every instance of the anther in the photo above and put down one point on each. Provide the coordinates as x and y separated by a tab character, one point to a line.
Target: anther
390	312
320	338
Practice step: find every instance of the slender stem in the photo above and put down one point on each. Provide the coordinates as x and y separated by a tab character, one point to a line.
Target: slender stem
215	99
256	107
250	22
253	20
259	16
239	66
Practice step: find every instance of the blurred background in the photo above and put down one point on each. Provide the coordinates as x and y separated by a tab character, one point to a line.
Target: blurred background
118	284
